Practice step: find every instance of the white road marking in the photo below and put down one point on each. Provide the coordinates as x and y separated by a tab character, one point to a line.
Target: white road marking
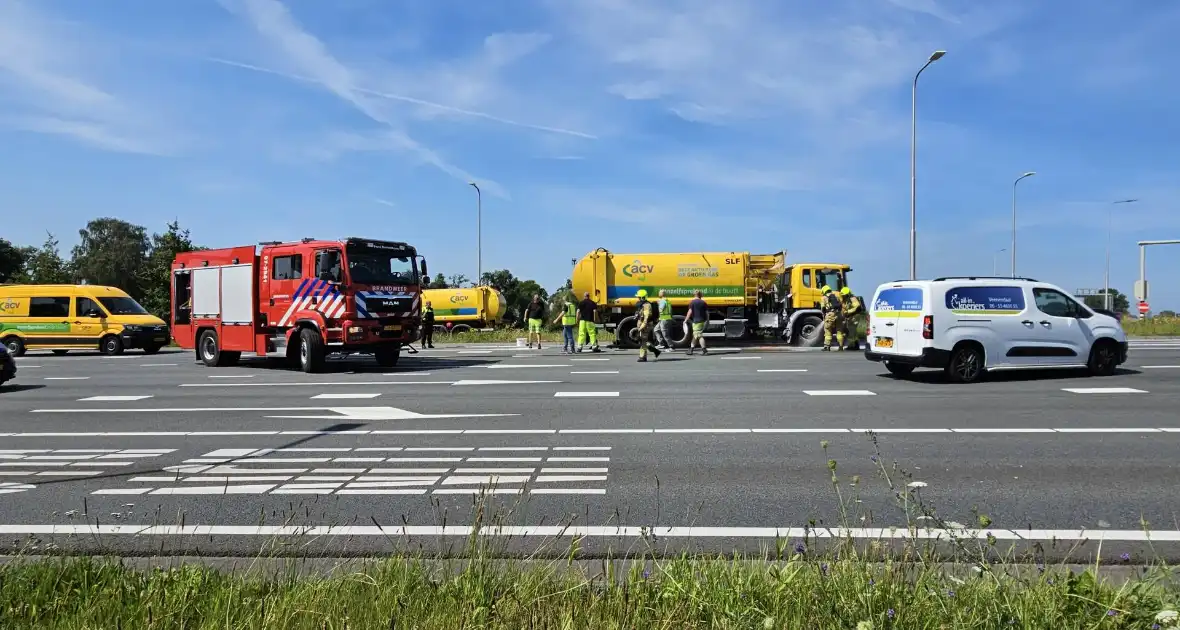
502	366
232	375
475	352
494	471
900	532
586	394
593	359
480	490
738	358
578	459
158	365
503	459
791	370
569	478
396	483
318	384
22	366
495	382
567	491
113	398
66	378
460	480
1159	367
581	448
838	392
381	491
597	372
251	489
1103	390
578	471
121	491
230	452
510	431
344	395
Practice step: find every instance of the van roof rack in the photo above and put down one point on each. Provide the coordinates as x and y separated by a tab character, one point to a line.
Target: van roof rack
985	278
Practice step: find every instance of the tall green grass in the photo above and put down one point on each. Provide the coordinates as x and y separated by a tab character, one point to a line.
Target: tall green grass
1153	327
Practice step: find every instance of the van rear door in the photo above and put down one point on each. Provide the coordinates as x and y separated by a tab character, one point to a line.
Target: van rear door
897	320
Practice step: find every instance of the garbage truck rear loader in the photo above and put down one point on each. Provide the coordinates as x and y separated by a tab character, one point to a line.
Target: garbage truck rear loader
750	296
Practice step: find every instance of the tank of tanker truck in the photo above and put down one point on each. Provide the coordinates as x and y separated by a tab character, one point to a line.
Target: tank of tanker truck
723	278
463	309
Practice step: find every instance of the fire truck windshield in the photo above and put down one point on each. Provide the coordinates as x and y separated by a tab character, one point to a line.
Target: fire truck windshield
381	266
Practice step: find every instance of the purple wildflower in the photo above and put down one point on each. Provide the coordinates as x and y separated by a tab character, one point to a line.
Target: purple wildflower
646	574
1112	613
890	613
800	547
950	593
1126	557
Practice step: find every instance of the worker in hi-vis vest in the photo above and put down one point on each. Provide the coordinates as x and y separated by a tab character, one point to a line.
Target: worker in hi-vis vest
664	326
569	320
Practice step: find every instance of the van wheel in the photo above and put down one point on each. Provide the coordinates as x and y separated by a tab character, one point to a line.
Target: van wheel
387	356
1104	356
60	353
311	351
811	332
966	365
111	345
899	369
15	345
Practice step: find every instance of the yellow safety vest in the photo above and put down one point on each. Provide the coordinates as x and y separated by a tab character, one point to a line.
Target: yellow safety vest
666	310
571	315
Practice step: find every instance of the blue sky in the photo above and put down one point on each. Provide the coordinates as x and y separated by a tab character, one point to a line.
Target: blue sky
635	125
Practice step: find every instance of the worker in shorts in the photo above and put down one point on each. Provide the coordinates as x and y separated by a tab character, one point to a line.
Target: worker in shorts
534	313
698	314
646	318
587	320
833	310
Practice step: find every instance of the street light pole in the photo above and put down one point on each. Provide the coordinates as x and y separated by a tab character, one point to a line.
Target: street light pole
995	269
1107	301
935	56
1028	174
478	233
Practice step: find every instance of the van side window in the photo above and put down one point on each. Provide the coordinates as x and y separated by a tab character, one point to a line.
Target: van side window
83	306
287	267
49	307
1056	303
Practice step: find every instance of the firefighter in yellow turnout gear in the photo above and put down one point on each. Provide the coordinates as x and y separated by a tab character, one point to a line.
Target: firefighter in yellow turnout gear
833	310
646	317
853	310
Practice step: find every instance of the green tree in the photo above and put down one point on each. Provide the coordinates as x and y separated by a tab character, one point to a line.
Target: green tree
155	274
46	266
12	262
517	293
439	282
458	280
1119	302
112	252
1166	313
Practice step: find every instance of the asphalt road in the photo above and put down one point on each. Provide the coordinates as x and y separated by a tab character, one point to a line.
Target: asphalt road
147	454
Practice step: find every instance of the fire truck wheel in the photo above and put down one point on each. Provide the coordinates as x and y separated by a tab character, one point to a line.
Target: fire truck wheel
111	345
387	356
311	350
209	349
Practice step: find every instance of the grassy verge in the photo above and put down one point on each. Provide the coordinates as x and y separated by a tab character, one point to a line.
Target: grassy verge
511	335
1153	327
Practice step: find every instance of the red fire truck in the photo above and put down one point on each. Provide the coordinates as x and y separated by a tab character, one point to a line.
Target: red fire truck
304	300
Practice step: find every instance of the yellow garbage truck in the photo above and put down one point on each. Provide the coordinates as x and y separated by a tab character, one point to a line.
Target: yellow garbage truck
460	310
749	296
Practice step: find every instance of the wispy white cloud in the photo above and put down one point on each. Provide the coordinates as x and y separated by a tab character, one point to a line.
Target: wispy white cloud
304	51
52	72
384	202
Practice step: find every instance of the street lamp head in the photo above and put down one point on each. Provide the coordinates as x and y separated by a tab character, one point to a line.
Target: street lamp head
1126	201
936	55
1029	174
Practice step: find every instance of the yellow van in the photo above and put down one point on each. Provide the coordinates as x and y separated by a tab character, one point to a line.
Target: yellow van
63	317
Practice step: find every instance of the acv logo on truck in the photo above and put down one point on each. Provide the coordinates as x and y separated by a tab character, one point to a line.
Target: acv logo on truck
8	305
459	298
638	270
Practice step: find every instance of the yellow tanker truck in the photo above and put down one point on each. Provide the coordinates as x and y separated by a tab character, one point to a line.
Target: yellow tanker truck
749	295
460	310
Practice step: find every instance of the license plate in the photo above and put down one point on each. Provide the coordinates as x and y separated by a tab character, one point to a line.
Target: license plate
883	342
159	339
393	327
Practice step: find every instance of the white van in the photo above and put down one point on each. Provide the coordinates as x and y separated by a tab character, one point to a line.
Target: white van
972	325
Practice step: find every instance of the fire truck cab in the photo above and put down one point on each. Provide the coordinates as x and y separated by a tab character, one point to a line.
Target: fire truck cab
304	300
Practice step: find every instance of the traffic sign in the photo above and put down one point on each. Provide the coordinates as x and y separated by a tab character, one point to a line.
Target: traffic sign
1143	308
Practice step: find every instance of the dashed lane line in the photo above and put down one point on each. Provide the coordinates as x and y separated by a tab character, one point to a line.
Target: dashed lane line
527	365
67	378
596	372
114	398
320	384
1159	367
838	392
586	394
783	370
345	395
1103	390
